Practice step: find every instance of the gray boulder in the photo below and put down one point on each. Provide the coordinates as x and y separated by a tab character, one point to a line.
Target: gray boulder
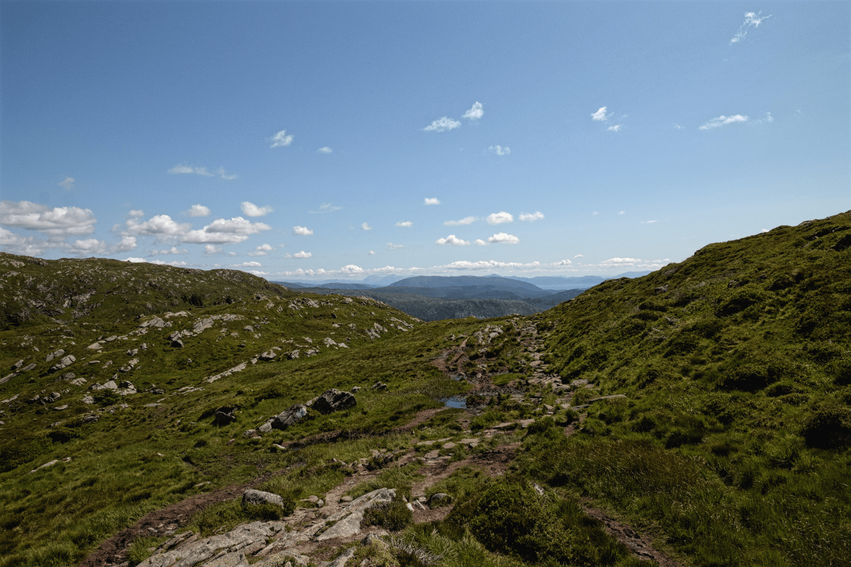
334	400
255	497
289	417
66	361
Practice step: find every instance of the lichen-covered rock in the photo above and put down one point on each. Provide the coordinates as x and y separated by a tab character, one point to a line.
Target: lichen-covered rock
289	417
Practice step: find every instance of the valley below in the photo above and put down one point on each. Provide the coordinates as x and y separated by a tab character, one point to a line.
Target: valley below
699	415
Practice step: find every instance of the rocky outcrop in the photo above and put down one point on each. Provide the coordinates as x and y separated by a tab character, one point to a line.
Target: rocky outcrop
258	497
289	417
334	400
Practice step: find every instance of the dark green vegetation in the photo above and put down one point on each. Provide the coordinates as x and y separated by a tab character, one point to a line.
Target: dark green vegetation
731	443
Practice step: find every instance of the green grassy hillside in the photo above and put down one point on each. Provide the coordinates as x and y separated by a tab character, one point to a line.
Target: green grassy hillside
706	406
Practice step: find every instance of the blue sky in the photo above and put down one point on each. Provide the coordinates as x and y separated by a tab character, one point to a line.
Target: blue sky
339	140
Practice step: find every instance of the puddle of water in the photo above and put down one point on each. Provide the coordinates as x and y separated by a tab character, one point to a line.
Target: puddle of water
456	402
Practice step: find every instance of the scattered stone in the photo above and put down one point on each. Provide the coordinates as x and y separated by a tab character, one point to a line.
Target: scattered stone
177	343
60	408
132	352
379	386
225	416
66	361
28	367
8	377
287	418
334	400
17	365
95	346
53	355
268	355
439	499
87	399
292	355
449	446
255	497
251	434
356	389
52	397
78	381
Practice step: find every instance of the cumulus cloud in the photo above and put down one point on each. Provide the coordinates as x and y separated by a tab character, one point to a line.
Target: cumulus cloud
503	238
57	223
161	227
621	261
302	255
500	218
565	262
325	150
475	112
723	121
752	20
211	249
135	213
371	253
167	251
488	265
405	224
326	208
281	139
223	231
197	211
601	115
365	226
133	260
432	201
392	246
252	210
249	265
262	250
351	269
67	183
464	221
452	240
499	150
579	256
442	125
615	128
24	245
127	243
480	242
302	231
86	247
531	217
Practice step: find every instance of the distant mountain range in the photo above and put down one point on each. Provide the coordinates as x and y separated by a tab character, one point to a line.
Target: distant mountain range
448	297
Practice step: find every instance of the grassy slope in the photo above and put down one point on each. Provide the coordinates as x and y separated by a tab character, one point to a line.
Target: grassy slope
734	438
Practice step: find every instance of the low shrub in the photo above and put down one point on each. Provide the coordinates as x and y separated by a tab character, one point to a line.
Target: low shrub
394	515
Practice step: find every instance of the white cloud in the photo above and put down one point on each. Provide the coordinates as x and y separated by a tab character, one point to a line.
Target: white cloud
127	243
57	223
480	242
135	213
499	150
252	210
442	125
405	224
475	112
167	251
764	230
223	231
464	221
678	127
392	246
172	263
432	201
161	227
197	211
452	240
615	128
500	218
281	139
601	115
136	260
531	217
621	261
325	150
211	249
579	256
565	262
302	231
302	255
24	245
371	253
487	265
224	174
185	169
249	265
723	121
262	250
351	269
621	212
503	238
649	221
752	20
365	226
67	183
327	208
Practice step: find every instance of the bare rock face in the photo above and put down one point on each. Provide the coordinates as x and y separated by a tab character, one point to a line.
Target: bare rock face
334	400
289	417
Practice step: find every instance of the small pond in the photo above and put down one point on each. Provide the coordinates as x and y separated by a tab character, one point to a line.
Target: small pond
455	402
